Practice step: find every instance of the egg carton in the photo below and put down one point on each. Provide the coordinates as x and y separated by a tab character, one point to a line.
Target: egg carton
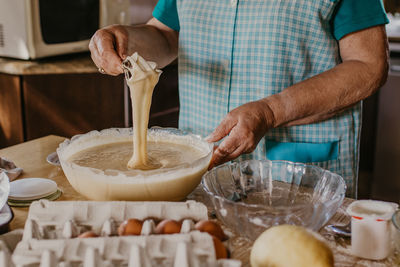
192	249
50	231
68	219
5	255
8	242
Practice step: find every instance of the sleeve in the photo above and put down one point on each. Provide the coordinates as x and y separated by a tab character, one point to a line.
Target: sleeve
354	15
167	13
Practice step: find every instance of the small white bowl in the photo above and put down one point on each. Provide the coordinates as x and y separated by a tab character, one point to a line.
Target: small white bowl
396	234
371	230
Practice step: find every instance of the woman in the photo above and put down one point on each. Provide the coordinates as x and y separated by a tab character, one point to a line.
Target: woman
271	79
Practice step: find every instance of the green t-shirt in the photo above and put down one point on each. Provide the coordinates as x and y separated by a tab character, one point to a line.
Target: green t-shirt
350	15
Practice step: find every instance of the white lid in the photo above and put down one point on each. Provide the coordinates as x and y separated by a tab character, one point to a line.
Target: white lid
31	188
372	209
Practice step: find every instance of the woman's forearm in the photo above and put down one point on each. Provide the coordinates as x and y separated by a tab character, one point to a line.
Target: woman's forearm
153	41
363	71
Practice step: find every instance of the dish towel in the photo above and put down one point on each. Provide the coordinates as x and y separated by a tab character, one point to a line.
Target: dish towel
9	168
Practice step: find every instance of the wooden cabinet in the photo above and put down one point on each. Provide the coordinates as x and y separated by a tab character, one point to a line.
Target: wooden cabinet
164	110
392	6
367	146
386	172
71	104
33	106
68	96
11	117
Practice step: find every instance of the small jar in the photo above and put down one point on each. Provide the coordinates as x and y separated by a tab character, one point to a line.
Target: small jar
396	224
371	229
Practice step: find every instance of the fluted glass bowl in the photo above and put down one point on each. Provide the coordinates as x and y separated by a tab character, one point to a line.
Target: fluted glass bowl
251	196
164	184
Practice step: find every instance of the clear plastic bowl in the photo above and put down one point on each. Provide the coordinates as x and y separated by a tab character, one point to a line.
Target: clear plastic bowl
251	196
166	184
396	234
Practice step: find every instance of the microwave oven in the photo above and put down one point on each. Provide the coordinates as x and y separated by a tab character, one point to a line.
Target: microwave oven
31	29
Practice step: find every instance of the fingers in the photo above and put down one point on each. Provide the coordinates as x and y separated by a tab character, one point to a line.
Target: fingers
223	129
109	59
244	128
224	153
106	47
122	40
232	147
94	54
242	139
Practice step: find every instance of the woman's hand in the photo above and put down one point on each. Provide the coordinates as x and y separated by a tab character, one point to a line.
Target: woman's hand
154	41
243	128
108	48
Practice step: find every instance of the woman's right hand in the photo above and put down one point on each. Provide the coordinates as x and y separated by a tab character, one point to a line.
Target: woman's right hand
109	47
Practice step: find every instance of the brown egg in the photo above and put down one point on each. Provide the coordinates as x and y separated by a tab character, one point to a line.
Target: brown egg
211	227
87	234
130	227
168	227
220	250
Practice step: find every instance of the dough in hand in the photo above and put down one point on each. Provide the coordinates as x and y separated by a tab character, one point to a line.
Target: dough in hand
289	246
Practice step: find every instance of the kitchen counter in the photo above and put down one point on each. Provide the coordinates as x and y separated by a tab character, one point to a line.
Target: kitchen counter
69	64
31	156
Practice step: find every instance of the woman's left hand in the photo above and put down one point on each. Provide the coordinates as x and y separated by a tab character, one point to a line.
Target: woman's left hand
243	128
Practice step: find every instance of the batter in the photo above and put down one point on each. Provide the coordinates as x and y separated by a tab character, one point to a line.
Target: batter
115	155
141	77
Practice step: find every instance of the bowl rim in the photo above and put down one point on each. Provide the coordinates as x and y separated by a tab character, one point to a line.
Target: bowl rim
278	207
129	130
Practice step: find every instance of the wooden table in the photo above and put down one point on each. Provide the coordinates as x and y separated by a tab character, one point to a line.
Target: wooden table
31	156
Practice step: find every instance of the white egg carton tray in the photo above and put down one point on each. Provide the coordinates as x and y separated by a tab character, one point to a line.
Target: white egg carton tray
49	237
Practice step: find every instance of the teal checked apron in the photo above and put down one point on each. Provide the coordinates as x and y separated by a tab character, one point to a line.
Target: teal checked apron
235	51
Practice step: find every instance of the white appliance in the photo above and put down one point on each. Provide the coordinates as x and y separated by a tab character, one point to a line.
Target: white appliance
31	29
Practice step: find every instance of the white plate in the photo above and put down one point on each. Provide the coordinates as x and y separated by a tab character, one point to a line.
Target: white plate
27	203
31	188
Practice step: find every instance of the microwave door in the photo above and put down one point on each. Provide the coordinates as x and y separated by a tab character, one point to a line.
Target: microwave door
14	40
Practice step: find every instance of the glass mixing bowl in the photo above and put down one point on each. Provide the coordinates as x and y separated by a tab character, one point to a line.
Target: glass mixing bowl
251	196
166	184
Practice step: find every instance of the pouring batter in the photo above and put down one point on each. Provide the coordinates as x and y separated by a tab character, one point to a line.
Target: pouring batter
142	77
155	153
